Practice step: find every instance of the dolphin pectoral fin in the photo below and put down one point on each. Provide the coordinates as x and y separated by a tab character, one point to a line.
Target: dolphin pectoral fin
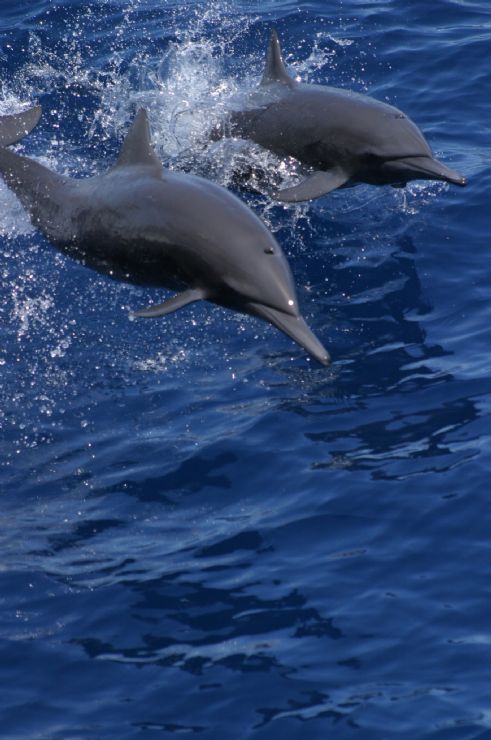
320	183
171	304
13	128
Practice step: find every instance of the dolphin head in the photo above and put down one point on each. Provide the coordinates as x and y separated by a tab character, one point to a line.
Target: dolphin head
260	275
265	288
271	296
398	152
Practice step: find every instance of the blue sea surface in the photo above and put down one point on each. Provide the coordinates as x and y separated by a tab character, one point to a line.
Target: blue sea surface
202	531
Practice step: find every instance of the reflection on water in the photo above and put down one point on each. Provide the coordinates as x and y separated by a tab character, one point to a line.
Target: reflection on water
205	627
406	443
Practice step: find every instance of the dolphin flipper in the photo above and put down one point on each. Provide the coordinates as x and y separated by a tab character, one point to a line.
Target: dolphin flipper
13	128
314	186
171	304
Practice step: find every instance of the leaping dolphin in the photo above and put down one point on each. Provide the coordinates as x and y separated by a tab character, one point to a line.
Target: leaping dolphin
148	226
343	136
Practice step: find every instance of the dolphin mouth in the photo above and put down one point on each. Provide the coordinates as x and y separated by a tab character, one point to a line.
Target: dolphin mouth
428	169
295	328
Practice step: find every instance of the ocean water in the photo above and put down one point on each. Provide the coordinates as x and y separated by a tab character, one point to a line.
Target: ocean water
203	532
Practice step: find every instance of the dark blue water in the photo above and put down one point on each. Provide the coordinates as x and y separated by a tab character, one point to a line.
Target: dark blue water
202	531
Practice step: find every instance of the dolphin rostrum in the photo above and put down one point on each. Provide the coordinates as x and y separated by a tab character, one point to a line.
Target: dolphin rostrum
148	226
344	137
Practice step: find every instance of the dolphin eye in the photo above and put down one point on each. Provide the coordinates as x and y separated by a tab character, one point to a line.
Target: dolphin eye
268	250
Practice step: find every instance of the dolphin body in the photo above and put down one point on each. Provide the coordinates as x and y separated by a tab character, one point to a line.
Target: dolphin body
343	136
144	225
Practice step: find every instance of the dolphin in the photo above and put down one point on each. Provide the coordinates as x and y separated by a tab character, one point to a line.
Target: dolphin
145	225
344	137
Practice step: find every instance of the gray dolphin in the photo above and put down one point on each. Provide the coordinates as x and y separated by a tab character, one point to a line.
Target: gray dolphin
343	136
144	225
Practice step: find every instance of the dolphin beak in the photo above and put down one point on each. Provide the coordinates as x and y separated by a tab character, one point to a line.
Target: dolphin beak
295	328
429	169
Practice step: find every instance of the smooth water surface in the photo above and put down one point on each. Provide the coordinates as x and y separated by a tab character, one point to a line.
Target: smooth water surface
203	531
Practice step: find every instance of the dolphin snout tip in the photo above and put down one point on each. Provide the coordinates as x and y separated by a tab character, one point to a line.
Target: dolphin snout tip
451	176
324	359
310	343
321	355
455	178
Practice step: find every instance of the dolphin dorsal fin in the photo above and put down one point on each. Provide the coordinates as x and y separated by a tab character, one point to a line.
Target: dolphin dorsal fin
275	70
137	147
